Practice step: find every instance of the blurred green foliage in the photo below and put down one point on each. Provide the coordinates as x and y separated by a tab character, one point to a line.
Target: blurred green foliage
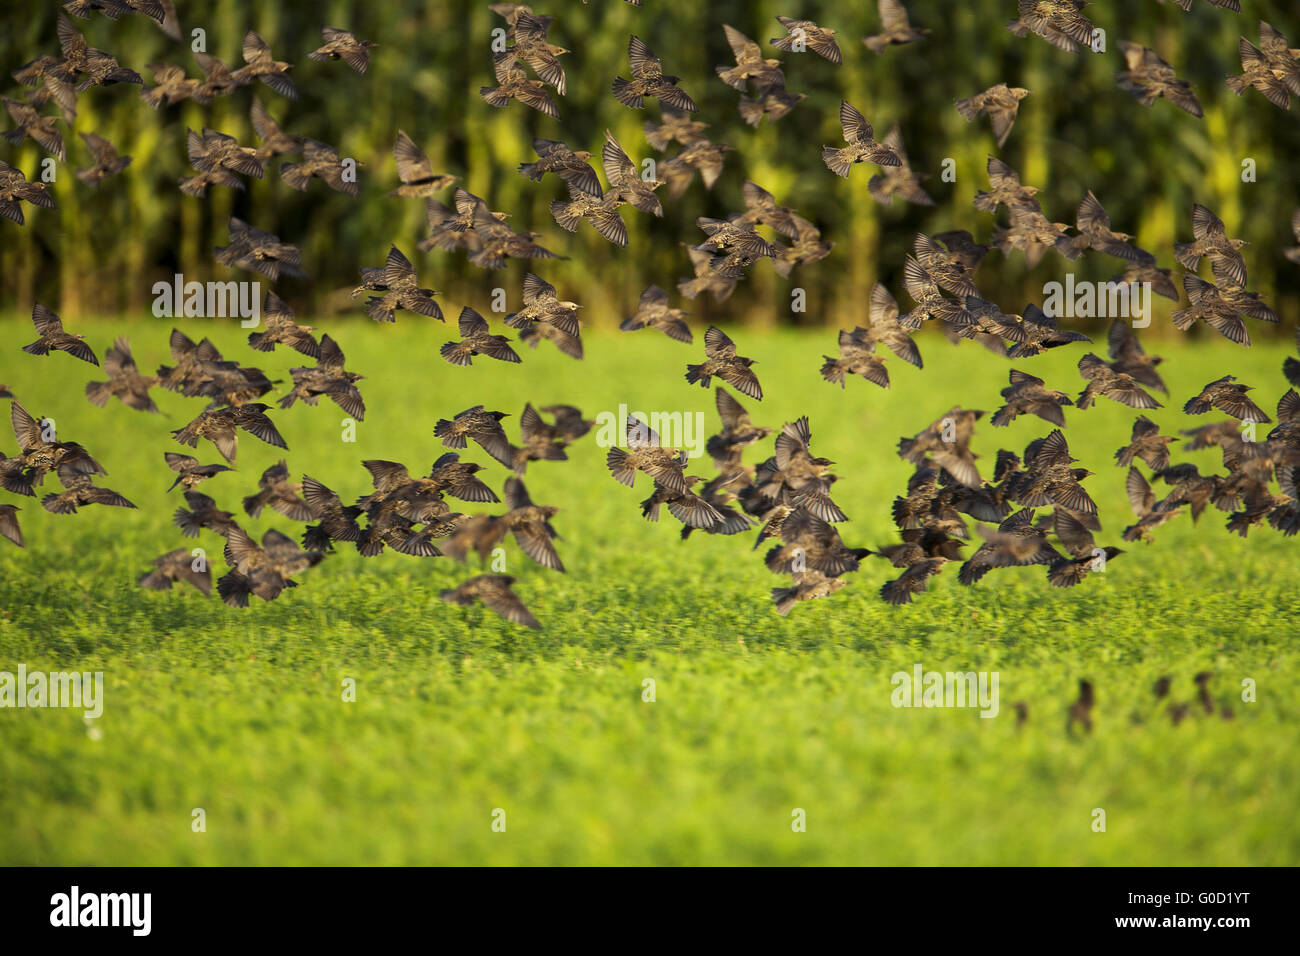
101	252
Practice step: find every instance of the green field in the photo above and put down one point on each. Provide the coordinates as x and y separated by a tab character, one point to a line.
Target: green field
459	713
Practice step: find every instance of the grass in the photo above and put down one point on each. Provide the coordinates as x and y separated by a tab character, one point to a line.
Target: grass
458	713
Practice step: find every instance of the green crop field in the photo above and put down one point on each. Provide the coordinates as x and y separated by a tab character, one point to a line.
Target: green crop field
459	715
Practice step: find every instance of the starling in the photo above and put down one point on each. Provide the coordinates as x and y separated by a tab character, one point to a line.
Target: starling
514	84
42	129
281	329
1001	103
947	269
56	81
530	524
721	360
895	28
1005	189
263	571
570	165
415	171
705	279
203	514
79	490
1028	395
9	524
625	182
773	102
171	86
898	180
923	288
1128	356
649	79
14	188
1148	78
701	155
52	337
276	490
946	444
342	45
793	476
218	157
810	542
545	315
261	65
1032	233
686	506
750	64
807	586
1093	225
328	378
189	473
260	251
1066	572
39	452
95	66
761	207
124	381
1257	72
803	35
738	433
912	581
569	424
219	425
733	235
107	161
1150	512
476	339
675	126
495	593
401	291
532	47
1017	542
1226	397
861	145
541	441
653	312
218	79
177	566
1147	444
1146	270
1059	22
482	426
322	161
1211	239
334	520
275	141
1220	308
858	347
601	211
643	452
1081	709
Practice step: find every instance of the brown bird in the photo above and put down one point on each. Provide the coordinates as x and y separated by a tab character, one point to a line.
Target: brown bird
401	291
124	381
482	426
721	360
1147	445
643	452
189	473
107	161
1005	189
530	524
79	490
545	315
1066	572
808	246
476	339
807	586
773	102
1257	72
1050	479
260	251
912	581
1081	709
1059	22
42	129
1227	397
39	452
276	490
541	442
734	243
653	312
9	524
649	79
1150	512
218	425
1210	239
946	444
793	476
750	64
328	378
1032	233
858	347
342	45
275	141
1017	542
1128	356
738	432
281	329
1000	103
804	35
898	180
493	590
761	207
178	566
702	155
1149	77
218	158
56	81
861	145
322	161
218	79
263	571
571	166
261	65
895	28
95	66
1095	232
601	211
810	542
624	180
415	171
675	126
171	86
705	279
334	520
1029	395
692	510
1221	308
53	338
204	514
513	83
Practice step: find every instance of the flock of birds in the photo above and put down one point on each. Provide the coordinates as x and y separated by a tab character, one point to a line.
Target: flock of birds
1032	510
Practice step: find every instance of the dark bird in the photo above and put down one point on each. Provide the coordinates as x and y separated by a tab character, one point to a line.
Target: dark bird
39	452
946	444
53	338
810	542
1150	512
1039	332
476	339
643	452
218	157
795	477
79	490
858	347
625	181
721	360
703	156
901	180
1220	308
1093	225
1227	397
1005	189
259	251
1032	233
1128	356
572	166
1066	572
279	328
1029	395
42	129
750	64
275	141
546	315
1149	78
204	513
124	381
328	378
1059	22
96	67
674	126
261	65
1146	445
895	28
513	83
599	210
861	145
807	586
530	524
171	86
804	35
692	510
1103	380
912	581
705	279
952	269
178	566
734	243
773	102
541	442
482	426
189	473
218	79
415	171
1146	270
1000	103
738	432
322	161
56	81
218	425
1081	709
107	161
1210	239
762	208
276	490
9	524
335	521
1016	542
263	571
401	290
1050	479
342	45
649	79
653	312
495	593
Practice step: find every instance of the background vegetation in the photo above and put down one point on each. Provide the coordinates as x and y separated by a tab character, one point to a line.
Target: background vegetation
100	252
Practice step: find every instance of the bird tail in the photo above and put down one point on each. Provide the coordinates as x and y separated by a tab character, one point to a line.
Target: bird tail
1237	83
494	96
564	215
785	599
832	371
457	353
37	348
57	505
968	107
835	161
751	111
624	94
631	324
531	171
234	589
449	438
294	177
155	581
619	467
98	393
694	374
876	45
